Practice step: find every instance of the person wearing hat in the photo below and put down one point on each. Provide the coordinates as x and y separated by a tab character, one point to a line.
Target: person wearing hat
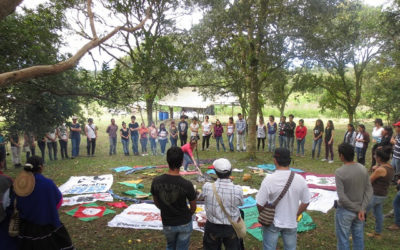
38	200
91	134
218	229
171	193
75	129
294	202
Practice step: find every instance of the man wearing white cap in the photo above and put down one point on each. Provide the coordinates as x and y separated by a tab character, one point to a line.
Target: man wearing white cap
218	228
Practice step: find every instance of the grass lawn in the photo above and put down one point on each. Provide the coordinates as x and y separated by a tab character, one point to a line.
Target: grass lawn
96	234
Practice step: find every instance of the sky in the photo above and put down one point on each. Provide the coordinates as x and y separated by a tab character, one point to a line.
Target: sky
74	42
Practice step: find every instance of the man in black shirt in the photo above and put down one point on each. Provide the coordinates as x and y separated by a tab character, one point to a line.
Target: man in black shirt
170	193
183	128
290	128
134	128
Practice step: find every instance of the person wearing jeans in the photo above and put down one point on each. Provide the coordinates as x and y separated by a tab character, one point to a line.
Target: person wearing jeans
301	133
218	132
362	140
261	134
134	128
153	137
396	149
63	140
206	125
75	131
241	133
143	132
290	133
293	203
162	138
176	216
52	144
124	133
188	157
230	132
354	191
112	136
318	132
272	128
381	178
329	135
282	133
91	134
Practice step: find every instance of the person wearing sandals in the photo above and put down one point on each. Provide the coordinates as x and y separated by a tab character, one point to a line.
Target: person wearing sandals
293	203
38	201
218	229
381	178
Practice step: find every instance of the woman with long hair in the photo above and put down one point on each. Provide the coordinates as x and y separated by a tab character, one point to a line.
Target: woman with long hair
329	135
218	132
362	140
162	137
318	132
230	132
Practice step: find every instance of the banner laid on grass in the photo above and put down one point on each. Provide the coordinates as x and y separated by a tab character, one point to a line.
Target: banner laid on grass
323	181
89	212
86	198
87	184
322	200
141	216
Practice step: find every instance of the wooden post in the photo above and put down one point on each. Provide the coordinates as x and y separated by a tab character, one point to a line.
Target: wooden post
171	113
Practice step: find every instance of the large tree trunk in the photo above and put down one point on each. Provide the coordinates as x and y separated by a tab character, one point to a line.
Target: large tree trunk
7	7
149	110
282	108
252	121
351	115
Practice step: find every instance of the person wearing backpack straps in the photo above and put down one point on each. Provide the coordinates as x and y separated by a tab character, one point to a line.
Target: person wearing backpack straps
283	190
221	200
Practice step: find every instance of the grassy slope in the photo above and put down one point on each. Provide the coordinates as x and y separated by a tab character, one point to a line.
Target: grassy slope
96	234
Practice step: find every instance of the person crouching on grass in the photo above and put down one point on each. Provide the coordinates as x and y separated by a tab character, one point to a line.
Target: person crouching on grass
188	157
170	193
218	228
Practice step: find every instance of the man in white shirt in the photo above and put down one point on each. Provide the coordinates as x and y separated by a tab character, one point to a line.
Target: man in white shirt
288	208
218	230
91	134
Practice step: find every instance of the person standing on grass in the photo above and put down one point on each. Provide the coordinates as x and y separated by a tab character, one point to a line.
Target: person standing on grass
173	134
290	133
329	134
15	149
112	137
362	140
241	133
272	128
350	135
218	229
230	132
291	206
381	178
282	132
207	131
318	132
124	133
183	128
387	134
143	132
162	138
301	133
153	138
52	144
91	134
377	135
396	149
354	191
188	157
29	144
42	146
218	132
3	152
171	193
194	128
75	129
134	129
261	133
63	136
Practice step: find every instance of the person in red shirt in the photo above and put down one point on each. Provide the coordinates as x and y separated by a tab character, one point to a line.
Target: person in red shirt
188	157
301	132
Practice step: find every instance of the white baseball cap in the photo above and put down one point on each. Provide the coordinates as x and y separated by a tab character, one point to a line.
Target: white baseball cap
222	165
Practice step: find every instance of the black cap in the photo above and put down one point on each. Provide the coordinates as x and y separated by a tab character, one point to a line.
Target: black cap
282	156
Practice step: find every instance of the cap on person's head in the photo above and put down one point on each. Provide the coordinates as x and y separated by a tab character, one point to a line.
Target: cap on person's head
397	124
74	117
282	156
222	165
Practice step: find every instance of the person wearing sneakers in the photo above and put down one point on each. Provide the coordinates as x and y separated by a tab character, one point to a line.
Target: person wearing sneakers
381	177
218	229
188	157
354	191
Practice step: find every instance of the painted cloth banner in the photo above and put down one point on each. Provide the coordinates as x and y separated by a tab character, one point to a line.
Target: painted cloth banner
272	168
136	169
142	216
248	190
122	169
254	228
248	202
322	200
122	198
137	194
86	198
89	212
132	185
119	204
322	181
87	184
